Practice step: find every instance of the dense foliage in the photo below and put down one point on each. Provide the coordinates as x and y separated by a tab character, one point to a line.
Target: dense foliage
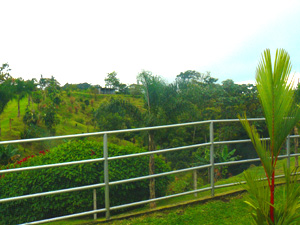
77	108
23	183
193	96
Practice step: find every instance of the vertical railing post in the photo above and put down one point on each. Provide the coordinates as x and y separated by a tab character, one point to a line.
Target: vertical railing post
95	202
288	151
212	168
195	181
106	178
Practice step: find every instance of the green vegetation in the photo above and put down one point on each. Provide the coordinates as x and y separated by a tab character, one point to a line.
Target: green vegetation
281	113
226	208
57	178
45	108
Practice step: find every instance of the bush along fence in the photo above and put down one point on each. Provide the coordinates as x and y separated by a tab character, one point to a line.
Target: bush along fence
82	177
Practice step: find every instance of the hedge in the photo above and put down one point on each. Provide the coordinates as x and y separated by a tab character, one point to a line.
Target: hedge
43	180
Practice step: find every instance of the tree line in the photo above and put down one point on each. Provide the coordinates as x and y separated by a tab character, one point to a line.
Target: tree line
193	96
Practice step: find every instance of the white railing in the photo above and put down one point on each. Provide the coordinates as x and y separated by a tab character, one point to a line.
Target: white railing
106	160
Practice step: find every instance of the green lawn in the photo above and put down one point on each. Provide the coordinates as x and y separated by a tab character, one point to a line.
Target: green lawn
226	211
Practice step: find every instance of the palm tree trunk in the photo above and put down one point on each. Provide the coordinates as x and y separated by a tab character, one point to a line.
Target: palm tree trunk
296	146
272	197
151	170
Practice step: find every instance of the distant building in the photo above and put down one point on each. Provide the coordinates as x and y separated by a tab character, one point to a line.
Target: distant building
104	90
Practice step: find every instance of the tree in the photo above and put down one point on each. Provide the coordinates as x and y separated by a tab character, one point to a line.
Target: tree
83	86
277	99
4	72
152	88
111	80
30	88
51	89
19	91
6	90
50	118
189	75
163	106
6	93
117	114
195	77
123	89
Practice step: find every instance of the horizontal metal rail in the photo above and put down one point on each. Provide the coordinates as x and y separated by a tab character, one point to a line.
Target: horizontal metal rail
68	216
159	175
133	179
52	192
141	202
122	156
158	151
160	198
21	169
185	193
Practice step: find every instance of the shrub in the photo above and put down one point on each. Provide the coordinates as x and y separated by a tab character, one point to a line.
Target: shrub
22	183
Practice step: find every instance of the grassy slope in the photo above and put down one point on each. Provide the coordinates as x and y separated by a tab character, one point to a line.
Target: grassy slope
70	121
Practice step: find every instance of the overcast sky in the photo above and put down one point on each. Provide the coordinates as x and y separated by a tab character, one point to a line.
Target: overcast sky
82	41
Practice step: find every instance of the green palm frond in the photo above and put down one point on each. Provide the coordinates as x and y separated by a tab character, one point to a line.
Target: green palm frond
276	96
277	99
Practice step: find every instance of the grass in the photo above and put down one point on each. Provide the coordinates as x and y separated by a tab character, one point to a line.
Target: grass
71	121
230	209
222	211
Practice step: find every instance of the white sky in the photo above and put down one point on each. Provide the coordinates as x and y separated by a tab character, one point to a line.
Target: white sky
82	41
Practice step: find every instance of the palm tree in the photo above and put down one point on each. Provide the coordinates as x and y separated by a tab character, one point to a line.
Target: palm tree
281	113
20	92
152	87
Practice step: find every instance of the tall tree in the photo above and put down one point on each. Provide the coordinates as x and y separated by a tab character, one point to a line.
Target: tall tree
152	87
4	72
52	90
30	88
6	90
111	80
20	91
277	99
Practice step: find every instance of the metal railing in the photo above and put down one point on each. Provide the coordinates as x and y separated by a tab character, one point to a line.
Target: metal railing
106	160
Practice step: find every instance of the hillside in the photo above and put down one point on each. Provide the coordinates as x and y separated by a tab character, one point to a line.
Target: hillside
75	114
